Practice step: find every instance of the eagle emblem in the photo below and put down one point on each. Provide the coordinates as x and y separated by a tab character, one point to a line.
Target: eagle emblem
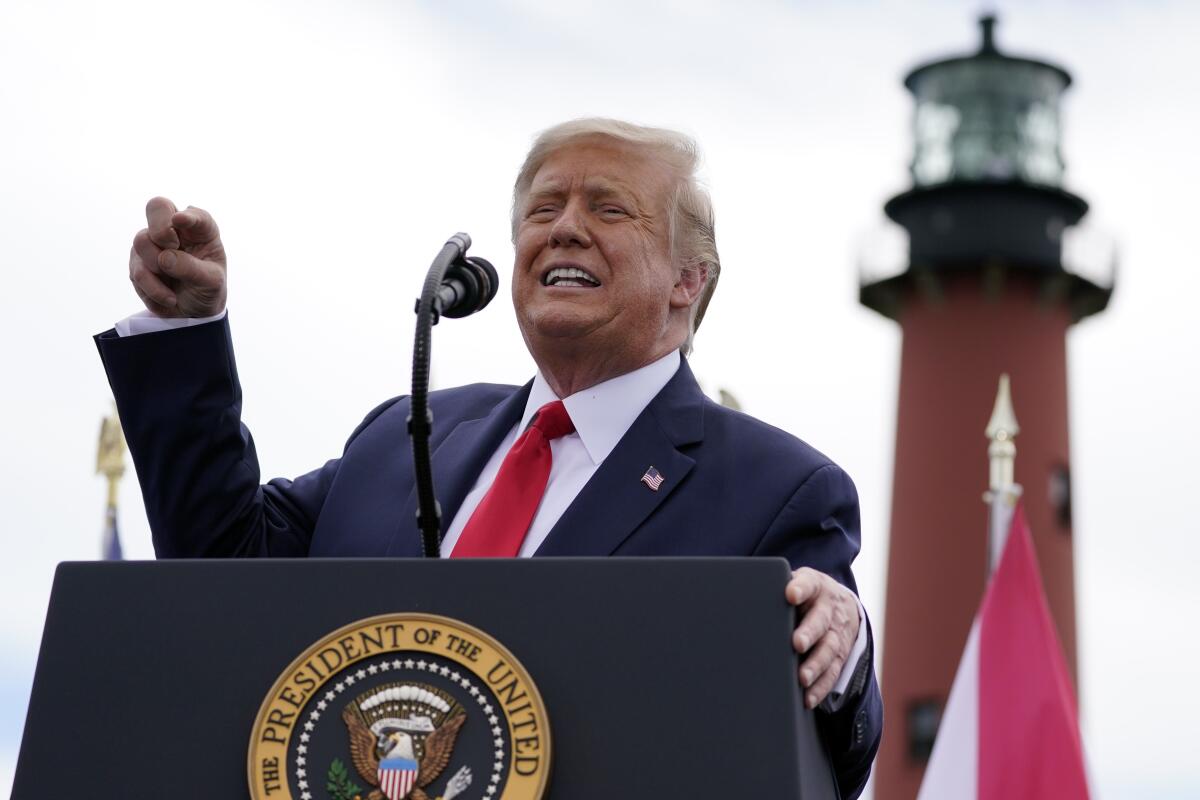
403	706
402	737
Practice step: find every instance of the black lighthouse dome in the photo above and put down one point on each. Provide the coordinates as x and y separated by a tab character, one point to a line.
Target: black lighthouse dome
987	172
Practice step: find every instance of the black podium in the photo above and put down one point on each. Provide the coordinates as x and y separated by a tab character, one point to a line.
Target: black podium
661	678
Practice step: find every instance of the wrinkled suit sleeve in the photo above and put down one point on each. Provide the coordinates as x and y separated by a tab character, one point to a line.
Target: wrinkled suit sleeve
180	405
818	527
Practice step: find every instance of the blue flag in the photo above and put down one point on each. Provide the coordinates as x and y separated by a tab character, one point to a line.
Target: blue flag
112	539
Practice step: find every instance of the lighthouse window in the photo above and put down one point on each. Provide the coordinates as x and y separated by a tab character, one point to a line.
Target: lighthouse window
924	716
987	120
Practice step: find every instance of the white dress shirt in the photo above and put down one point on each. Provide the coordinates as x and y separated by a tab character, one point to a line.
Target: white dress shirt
602	415
148	322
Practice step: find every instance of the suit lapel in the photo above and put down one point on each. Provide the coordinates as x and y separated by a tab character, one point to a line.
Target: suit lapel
457	462
615	501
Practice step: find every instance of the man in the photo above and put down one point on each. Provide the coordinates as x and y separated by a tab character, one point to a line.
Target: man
615	262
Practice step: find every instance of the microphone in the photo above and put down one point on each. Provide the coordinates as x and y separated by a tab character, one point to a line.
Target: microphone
455	286
468	286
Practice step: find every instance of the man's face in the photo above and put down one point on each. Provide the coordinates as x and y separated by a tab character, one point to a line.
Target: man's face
593	273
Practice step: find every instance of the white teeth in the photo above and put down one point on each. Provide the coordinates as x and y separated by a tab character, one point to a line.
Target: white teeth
569	276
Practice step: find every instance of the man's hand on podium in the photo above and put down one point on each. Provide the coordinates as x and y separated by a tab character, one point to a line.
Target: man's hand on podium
177	263
826	633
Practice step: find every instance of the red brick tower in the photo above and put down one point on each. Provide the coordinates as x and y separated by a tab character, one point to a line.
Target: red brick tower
985	290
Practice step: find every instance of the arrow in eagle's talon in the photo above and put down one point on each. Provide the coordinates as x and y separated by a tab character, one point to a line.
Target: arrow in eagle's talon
460	781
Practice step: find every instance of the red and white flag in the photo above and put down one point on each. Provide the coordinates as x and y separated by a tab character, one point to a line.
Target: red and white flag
1010	728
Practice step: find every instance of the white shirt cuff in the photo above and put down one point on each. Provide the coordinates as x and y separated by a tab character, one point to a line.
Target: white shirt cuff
147	322
851	665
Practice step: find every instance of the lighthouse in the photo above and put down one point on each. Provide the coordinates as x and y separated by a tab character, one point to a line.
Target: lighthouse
989	286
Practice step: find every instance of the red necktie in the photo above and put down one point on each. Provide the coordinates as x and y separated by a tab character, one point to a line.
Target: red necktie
503	516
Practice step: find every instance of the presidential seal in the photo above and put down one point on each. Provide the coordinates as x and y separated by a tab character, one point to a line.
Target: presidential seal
402	707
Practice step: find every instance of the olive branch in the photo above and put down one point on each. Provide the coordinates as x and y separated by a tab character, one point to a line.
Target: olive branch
338	784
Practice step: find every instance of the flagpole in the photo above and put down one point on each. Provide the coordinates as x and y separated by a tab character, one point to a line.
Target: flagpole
110	462
1009	726
1003	490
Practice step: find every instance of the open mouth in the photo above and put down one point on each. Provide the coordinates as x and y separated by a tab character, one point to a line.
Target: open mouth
570	277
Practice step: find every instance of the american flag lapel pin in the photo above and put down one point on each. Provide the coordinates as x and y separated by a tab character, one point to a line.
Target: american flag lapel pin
653	478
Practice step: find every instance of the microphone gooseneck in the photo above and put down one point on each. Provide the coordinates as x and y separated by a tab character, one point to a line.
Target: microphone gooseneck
455	286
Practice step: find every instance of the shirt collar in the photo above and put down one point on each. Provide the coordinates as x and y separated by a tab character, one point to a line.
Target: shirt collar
603	413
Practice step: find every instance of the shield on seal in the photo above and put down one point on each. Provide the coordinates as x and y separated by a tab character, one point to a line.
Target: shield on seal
396	777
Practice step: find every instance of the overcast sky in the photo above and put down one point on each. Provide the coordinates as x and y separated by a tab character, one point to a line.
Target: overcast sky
339	143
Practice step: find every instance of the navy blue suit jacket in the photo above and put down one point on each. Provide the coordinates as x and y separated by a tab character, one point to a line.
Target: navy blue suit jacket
733	486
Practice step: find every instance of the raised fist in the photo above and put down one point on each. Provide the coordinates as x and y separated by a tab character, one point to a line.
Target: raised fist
177	263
